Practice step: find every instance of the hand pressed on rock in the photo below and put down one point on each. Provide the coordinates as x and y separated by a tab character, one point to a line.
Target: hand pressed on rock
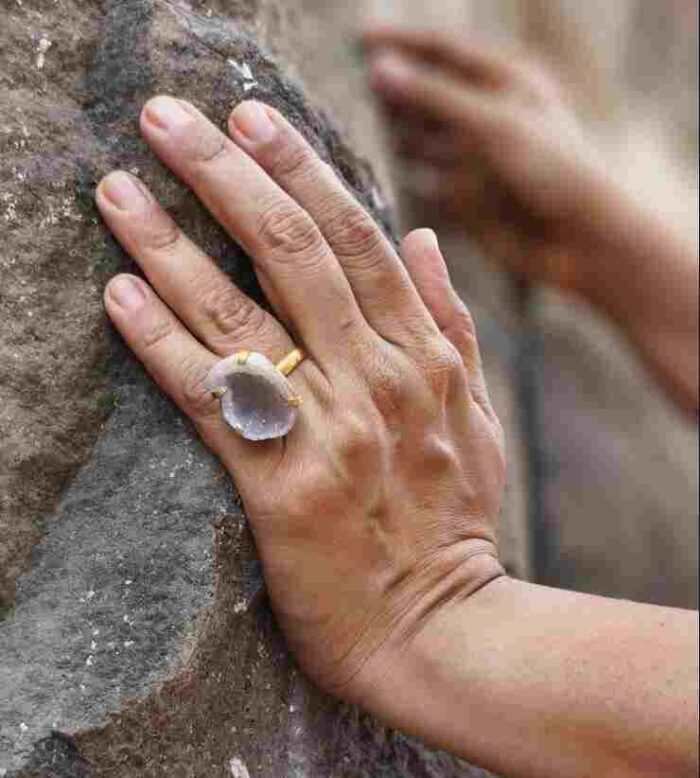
380	505
375	517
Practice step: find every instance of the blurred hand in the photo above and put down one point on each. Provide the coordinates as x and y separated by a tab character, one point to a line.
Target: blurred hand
496	148
380	505
492	143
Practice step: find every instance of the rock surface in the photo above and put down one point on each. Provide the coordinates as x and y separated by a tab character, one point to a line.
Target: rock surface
139	642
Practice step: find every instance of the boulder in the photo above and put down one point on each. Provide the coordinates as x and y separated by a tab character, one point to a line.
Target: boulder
136	637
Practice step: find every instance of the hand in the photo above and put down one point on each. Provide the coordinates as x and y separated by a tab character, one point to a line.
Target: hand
380	505
493	144
506	159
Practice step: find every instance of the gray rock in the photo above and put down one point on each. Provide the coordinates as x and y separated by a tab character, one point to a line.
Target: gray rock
140	642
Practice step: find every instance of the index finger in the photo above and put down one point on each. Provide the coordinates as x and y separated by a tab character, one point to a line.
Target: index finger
469	58
408	82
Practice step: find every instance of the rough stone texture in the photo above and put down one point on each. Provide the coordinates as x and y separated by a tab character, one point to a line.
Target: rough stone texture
140	642
207	678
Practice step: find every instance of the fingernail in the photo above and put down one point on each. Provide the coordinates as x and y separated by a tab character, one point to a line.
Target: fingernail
390	68
166	113
127	293
253	120
123	190
431	238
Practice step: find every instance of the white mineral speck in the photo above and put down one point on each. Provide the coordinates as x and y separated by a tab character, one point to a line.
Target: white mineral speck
89	661
42	47
377	200
23	727
238	768
246	74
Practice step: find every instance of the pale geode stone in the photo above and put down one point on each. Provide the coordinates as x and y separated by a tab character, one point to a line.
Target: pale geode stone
257	401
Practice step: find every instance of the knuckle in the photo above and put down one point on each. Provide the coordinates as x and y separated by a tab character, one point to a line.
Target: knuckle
213	148
285	227
197	140
443	368
313	494
500	436
391	385
353	234
233	315
203	142
292	159
162	234
439	455
357	440
157	332
196	396
461	333
463	323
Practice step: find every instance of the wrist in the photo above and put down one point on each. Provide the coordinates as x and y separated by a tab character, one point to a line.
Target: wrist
436	610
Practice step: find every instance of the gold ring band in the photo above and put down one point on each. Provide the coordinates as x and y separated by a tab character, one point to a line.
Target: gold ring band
291	361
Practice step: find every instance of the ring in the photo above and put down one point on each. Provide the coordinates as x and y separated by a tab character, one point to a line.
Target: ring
257	400
295	357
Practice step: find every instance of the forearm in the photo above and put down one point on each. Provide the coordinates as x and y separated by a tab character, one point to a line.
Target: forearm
638	272
531	681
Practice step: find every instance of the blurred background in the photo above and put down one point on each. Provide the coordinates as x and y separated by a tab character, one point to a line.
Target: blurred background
603	469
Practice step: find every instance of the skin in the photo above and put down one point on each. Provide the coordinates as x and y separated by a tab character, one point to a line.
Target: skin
500	152
375	518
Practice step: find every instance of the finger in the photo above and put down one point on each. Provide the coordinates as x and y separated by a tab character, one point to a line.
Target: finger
468	59
286	245
425	263
174	359
401	80
415	143
379	280
191	284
